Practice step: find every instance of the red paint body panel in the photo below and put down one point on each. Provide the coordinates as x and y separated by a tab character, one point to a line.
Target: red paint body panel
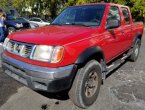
76	39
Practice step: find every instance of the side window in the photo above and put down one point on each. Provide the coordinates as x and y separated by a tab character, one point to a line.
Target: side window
35	19
114	14
126	15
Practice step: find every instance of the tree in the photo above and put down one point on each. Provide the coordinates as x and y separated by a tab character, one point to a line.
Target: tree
5	3
53	7
138	9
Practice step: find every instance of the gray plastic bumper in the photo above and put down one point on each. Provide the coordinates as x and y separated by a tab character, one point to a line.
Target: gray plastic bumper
39	78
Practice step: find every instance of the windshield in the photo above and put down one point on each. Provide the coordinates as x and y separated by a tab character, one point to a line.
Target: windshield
10	17
22	19
90	15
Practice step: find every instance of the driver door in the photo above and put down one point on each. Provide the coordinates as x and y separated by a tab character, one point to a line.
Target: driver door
113	36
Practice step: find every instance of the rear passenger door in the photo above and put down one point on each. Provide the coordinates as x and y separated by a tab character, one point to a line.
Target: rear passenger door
127	28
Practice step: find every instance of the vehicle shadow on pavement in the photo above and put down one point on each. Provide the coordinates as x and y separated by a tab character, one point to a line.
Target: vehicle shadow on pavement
113	71
58	96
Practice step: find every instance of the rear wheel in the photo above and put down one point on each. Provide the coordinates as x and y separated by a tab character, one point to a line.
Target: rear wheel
136	49
86	86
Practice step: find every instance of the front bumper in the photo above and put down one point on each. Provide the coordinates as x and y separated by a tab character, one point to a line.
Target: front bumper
39	78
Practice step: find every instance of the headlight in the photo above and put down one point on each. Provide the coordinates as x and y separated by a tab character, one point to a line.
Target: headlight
34	25
47	53
42	53
5	43
19	25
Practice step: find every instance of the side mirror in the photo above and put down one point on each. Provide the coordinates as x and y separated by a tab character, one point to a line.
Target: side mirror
112	24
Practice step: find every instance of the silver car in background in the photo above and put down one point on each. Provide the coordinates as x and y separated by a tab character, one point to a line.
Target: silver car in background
32	25
39	21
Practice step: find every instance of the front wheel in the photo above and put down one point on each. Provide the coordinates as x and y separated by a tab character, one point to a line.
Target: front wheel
11	30
86	85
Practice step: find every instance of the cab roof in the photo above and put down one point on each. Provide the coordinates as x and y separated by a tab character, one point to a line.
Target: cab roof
100	3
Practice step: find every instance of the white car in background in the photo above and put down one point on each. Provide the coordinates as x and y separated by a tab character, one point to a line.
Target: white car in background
39	21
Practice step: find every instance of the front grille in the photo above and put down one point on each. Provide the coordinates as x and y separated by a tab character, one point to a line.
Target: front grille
21	49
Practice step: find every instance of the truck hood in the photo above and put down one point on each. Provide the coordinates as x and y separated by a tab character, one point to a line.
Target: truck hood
52	35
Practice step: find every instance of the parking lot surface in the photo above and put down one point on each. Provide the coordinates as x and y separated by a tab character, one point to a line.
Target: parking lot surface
124	89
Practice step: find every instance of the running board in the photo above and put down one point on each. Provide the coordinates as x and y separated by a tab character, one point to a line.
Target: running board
115	64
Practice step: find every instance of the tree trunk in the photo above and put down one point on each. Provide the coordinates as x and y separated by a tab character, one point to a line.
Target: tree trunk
53	9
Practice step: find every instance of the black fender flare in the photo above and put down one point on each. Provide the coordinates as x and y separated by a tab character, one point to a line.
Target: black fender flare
90	53
137	36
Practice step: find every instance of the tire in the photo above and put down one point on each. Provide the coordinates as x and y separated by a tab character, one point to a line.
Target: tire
85	80
136	50
11	30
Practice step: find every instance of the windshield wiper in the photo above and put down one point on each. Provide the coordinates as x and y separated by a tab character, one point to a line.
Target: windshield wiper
81	24
78	24
74	23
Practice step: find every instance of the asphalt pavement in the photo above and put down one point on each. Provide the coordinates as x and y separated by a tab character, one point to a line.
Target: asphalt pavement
124	89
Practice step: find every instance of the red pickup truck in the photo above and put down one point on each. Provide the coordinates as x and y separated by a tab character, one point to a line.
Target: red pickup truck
76	52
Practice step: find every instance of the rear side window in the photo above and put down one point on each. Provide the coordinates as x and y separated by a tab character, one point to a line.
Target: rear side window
114	14
126	15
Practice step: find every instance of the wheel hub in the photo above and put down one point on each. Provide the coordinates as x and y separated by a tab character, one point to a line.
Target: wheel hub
136	50
91	84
